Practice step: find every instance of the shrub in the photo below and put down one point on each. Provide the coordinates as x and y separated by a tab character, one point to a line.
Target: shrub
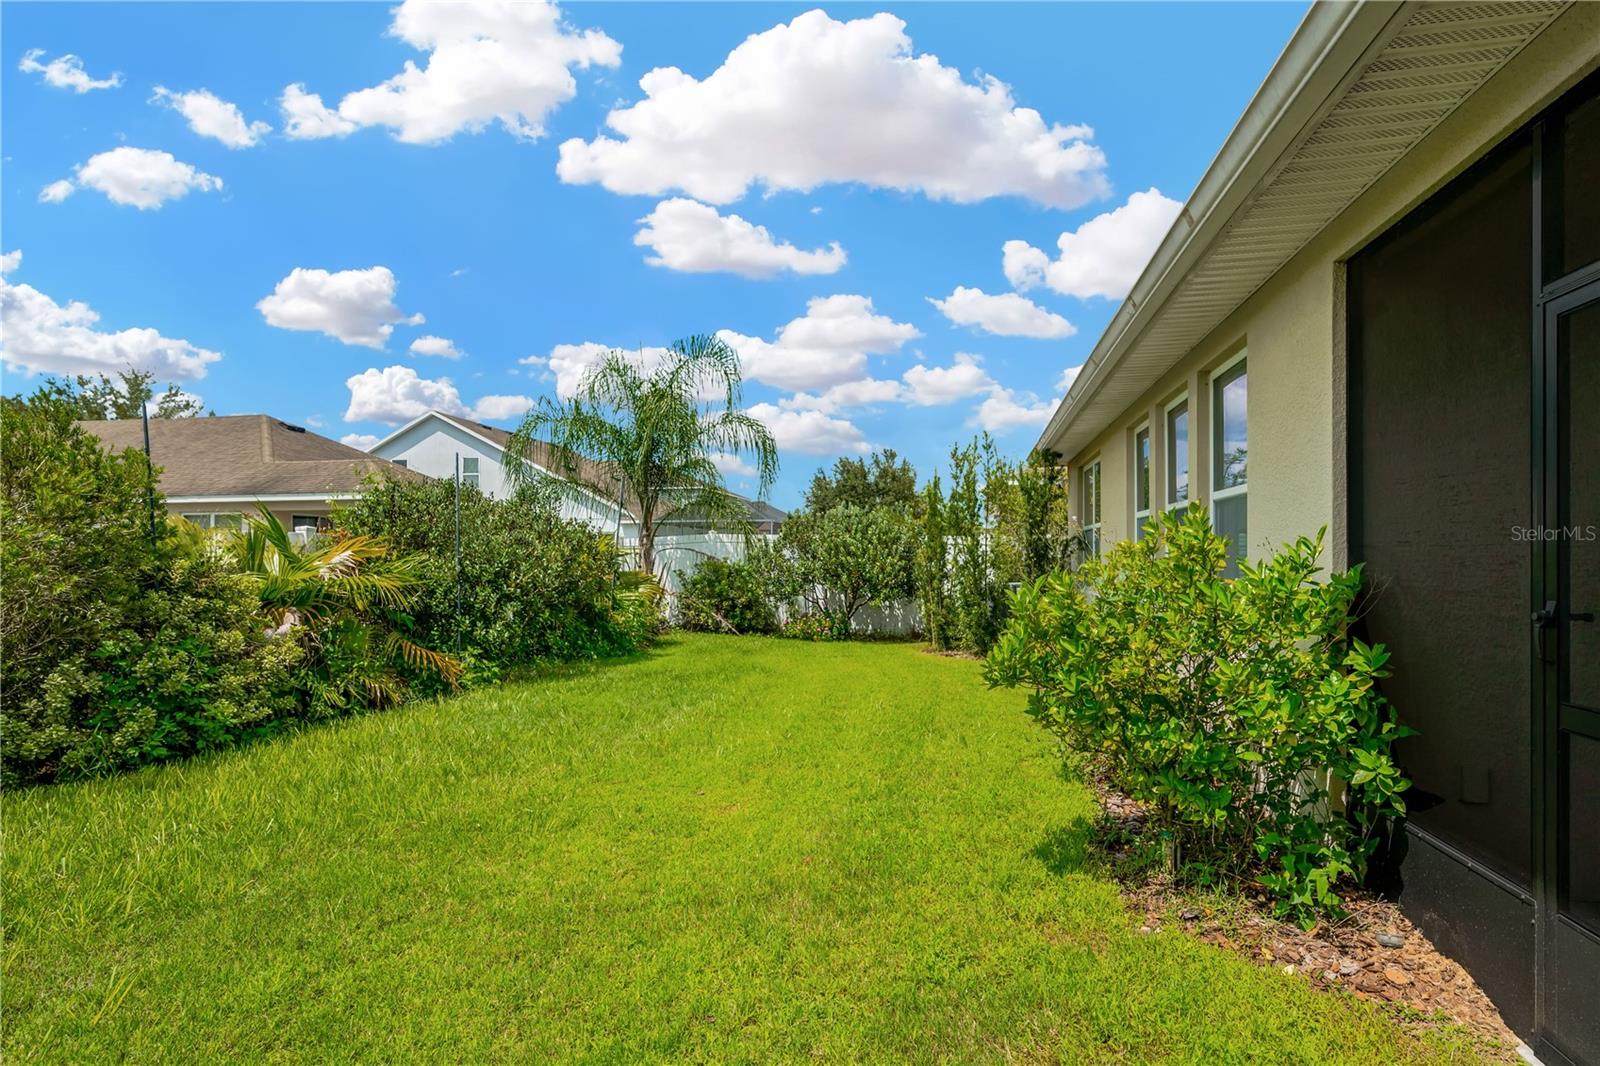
834	563
726	597
1243	713
813	627
343	599
533	585
120	646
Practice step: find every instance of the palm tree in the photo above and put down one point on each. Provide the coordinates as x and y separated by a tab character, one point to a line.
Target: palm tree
342	598
652	438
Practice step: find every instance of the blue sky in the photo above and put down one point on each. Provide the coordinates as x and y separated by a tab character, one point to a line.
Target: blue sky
273	253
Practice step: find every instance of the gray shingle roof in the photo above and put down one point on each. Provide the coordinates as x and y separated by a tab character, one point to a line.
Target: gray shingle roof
245	456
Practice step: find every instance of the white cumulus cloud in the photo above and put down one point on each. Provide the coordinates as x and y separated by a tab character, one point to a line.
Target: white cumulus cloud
1102	257
931	386
488	60
862	393
817	100
694	238
398	394
353	306
56	191
439	346
826	346
810	432
40	336
141	177
211	116
10	261
65	72
1006	409
733	465
1005	315
1068	376
306	117
364	441
570	363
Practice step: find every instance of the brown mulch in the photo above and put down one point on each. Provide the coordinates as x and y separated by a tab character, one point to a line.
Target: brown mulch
1422	985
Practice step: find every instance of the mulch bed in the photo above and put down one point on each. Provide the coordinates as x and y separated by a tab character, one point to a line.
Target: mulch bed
1404	971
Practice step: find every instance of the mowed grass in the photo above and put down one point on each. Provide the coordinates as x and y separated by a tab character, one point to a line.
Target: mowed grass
731	849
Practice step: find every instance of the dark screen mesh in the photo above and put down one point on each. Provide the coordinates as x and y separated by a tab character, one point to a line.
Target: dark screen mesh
1440	339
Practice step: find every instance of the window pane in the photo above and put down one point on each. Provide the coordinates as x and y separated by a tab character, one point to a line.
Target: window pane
469	466
400	462
1141	451
1230	525
1580	177
1178	454
227	521
1230	414
201	520
1094	499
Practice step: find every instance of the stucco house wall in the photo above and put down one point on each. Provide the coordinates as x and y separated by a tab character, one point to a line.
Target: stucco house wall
1292	327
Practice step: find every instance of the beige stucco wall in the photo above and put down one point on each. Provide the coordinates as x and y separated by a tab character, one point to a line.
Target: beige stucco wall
1292	329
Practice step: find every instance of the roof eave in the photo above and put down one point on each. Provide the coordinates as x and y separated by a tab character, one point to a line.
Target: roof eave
1327	50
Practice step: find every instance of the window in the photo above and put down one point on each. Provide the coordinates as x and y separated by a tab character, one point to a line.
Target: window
1091	509
1178	453
469	471
215	519
399	462
1141	480
319	522
1230	453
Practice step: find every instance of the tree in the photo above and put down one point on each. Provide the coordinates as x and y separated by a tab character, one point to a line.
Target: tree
99	397
840	560
885	480
656	433
345	600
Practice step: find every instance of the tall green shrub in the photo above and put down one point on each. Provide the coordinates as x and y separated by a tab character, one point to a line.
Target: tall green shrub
841	560
1242	712
533	585
933	569
119	644
724	596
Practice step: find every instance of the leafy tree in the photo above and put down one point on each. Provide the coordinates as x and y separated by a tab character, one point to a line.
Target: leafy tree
119	645
884	480
933	568
657	434
1027	503
840	560
100	397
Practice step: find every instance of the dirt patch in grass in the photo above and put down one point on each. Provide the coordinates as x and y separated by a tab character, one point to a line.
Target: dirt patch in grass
1374	953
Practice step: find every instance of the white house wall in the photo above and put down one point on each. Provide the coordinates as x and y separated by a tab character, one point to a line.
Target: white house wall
430	447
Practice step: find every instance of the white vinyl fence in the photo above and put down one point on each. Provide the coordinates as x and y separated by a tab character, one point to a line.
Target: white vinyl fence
678	555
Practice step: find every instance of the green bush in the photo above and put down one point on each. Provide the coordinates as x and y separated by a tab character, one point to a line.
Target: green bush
725	597
119	645
533	585
1243	713
835	562
813	627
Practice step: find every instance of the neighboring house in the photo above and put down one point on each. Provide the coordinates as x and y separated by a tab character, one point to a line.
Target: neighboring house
433	442
1380	313
215	470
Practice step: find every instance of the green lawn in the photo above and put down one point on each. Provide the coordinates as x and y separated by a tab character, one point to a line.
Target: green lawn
732	849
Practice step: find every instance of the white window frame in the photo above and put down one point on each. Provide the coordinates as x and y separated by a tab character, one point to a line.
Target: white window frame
470	477
1169	482
1144	468
208	519
1091	505
1216	494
